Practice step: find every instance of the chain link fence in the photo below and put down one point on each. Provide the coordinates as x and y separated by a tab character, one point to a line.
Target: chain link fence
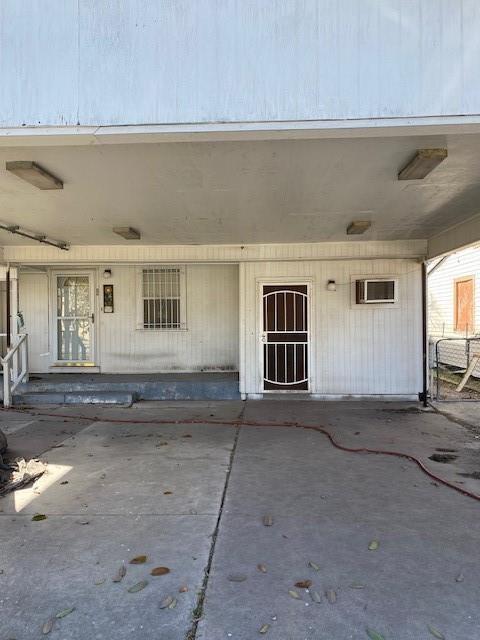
450	359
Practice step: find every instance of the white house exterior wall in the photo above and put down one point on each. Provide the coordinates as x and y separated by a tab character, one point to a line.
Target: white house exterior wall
355	350
209	343
84	62
442	293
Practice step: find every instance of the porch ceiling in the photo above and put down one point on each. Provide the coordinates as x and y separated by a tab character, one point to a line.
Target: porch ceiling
242	192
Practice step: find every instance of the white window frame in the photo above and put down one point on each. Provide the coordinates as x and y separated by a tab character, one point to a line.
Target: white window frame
140	298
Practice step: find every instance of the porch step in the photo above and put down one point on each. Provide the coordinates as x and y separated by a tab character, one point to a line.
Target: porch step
78	397
175	386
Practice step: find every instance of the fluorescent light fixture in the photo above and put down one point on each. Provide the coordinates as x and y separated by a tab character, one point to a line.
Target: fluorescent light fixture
422	163
356	227
34	174
31	235
127	232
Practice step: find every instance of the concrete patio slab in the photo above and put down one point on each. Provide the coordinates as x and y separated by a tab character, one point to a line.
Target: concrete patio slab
327	507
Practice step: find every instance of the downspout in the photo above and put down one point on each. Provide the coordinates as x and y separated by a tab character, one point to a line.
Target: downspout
423	395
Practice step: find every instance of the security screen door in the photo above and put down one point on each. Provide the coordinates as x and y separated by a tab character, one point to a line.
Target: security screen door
285	338
74	318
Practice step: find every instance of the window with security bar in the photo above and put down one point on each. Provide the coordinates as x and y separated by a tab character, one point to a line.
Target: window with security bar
163	298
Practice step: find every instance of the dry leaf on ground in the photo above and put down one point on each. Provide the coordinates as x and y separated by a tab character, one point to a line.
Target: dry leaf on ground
159	571
303	584
48	626
262	568
138	587
373	546
65	612
267	520
138	560
166	602
436	633
121	573
264	628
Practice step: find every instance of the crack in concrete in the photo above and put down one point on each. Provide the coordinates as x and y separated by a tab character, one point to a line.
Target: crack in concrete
198	610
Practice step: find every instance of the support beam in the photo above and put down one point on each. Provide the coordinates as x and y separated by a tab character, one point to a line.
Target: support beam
458	237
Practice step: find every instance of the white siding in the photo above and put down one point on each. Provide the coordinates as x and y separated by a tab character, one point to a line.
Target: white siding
92	254
209	343
64	62
33	295
355	350
441	293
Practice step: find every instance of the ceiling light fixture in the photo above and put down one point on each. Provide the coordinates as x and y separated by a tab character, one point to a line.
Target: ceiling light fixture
31	235
356	227
422	163
127	232
34	174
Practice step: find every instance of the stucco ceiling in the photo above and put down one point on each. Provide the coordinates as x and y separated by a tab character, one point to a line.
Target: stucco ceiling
242	192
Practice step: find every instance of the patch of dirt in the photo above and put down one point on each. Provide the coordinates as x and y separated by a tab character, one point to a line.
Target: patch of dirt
443	457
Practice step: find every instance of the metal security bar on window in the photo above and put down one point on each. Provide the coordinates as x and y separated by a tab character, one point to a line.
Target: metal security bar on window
161	291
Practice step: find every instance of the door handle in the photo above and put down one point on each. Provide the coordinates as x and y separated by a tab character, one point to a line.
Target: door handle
92	318
263	337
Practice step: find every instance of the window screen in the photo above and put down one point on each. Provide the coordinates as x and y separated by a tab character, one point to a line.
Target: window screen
161	292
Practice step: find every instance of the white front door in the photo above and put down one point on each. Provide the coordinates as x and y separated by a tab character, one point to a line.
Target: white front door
74	318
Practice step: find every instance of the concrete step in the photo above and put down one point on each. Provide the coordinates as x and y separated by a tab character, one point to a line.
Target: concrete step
70	397
205	386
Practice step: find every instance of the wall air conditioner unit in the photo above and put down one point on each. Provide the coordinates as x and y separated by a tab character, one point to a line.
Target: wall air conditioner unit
376	291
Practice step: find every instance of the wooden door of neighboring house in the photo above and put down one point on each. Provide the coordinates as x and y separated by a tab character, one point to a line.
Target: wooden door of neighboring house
464	303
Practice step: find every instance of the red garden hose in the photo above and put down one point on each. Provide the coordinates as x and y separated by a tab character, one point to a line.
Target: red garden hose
251	423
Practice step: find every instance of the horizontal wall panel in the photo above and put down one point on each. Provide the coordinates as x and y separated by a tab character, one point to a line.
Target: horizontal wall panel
91	254
143	62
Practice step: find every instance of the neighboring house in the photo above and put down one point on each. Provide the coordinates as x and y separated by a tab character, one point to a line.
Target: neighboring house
236	186
454	311
454	295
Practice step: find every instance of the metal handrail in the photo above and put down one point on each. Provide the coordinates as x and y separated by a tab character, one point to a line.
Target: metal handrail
15	367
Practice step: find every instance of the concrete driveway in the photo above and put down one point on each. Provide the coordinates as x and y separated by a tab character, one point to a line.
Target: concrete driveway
192	497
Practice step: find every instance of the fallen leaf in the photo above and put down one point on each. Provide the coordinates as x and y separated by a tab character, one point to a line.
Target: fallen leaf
373	546
459	578
314	565
237	577
173	604
83	521
64	482
374	635
183	589
48	626
167	493
187	435
97	583
159	571
436	633
120	574
264	628
356	585
303	584
138	587
267	521
331	596
65	612
294	594
39	516
138	560
315	596
166	602
262	568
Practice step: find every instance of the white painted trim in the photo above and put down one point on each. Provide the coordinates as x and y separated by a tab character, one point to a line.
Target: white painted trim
254	130
457	237
138	254
56	364
280	281
242	353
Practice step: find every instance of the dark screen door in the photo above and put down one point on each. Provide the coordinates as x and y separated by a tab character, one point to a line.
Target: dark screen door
285	337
